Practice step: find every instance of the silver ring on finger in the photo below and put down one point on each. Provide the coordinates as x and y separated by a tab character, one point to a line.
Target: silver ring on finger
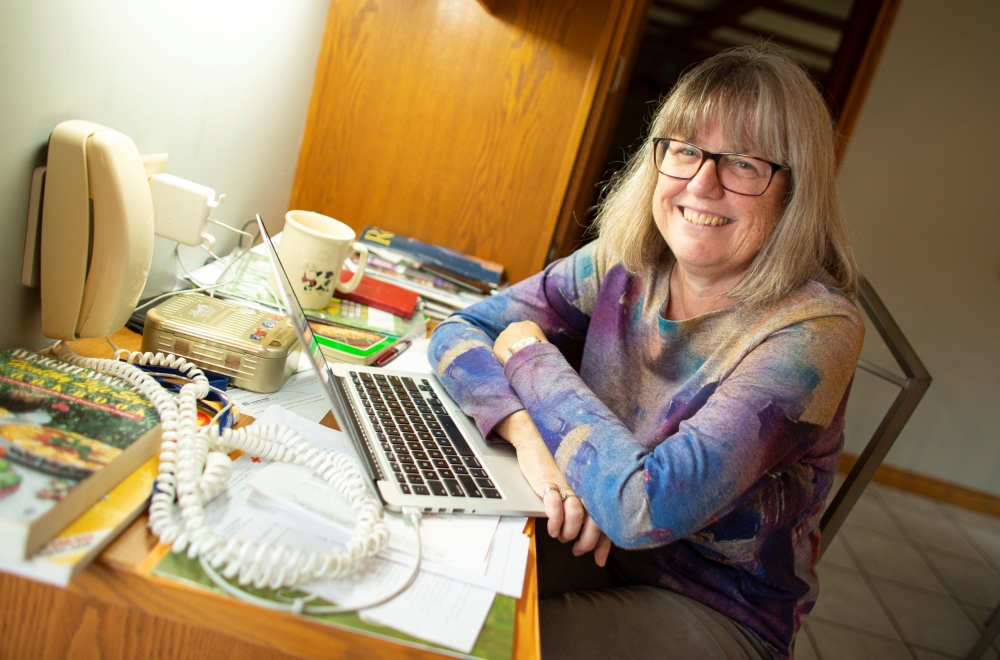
548	488
568	495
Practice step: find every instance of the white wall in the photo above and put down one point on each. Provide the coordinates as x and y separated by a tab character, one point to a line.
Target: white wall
223	86
921	186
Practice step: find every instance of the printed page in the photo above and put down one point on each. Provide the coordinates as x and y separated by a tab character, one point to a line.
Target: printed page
500	543
504	569
300	389
437	607
517	563
460	541
434	608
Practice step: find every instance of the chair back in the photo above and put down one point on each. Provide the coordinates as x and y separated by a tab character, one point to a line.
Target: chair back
913	385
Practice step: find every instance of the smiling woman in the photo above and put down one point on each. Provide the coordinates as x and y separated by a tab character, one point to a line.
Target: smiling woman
761	103
714	231
676	390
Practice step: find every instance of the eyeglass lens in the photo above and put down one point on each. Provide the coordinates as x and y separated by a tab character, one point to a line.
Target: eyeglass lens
738	173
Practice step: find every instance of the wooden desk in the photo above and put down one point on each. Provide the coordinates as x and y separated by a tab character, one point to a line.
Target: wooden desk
110	611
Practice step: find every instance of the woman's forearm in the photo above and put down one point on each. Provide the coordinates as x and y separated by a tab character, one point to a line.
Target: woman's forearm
564	509
461	355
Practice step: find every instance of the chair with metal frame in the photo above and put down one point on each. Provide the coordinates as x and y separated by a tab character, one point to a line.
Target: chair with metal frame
913	386
989	634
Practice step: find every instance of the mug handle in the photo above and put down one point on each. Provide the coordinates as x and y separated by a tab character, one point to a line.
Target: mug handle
352	284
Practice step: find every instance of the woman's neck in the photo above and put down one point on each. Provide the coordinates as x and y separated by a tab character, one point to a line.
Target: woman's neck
693	294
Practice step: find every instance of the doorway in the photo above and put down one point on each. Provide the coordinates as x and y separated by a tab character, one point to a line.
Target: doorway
837	41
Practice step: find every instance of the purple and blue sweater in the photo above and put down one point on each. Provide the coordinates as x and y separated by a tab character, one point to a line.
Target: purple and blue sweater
703	448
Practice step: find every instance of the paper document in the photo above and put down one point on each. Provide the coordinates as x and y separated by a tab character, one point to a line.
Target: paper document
446	605
301	388
435	608
243	279
454	546
460	541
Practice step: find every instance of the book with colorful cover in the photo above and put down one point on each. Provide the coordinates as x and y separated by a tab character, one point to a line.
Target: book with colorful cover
340	344
381	295
468	268
69	552
362	317
68	435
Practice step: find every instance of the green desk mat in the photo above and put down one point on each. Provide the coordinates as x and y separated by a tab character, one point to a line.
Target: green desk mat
496	640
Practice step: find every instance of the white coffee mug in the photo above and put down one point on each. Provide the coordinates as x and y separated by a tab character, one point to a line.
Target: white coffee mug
313	250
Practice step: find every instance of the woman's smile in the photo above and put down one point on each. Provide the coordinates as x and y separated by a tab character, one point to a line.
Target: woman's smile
704	219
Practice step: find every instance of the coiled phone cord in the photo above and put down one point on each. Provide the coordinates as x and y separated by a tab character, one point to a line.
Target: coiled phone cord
194	466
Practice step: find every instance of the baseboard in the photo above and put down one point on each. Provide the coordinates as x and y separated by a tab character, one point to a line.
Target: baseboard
920	484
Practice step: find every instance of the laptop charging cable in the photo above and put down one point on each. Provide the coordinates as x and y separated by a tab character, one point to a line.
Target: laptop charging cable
194	467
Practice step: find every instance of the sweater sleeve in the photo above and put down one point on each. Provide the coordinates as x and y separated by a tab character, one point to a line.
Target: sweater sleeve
759	419
559	299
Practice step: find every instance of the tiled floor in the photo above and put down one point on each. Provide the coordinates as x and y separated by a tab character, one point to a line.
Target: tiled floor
907	577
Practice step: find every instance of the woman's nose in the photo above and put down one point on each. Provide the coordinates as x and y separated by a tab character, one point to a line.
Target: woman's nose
706	181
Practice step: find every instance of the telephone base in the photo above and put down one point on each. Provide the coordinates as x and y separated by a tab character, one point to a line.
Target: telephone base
31	263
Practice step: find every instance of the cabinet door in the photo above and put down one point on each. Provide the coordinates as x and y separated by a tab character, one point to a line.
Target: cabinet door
440	120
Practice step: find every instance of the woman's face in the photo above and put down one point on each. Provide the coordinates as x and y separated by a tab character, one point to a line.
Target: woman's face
713	232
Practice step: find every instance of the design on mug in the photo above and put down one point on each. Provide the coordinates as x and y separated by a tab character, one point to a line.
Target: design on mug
316	280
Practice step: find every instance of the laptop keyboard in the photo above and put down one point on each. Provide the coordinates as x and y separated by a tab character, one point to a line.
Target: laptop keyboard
427	452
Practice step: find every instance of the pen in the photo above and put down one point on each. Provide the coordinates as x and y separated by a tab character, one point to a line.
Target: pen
393	353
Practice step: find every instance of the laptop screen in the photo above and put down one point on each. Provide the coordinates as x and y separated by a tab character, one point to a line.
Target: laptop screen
286	295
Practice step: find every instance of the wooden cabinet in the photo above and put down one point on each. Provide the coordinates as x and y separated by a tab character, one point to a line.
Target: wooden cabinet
465	126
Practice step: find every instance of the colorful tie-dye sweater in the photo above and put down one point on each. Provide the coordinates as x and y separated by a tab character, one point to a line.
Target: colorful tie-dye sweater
703	448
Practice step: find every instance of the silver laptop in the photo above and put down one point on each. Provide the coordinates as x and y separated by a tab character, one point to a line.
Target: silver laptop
420	449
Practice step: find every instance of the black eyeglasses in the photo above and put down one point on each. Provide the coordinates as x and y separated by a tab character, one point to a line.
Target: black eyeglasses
738	173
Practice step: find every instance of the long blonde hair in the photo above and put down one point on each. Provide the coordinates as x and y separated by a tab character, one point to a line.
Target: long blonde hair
765	104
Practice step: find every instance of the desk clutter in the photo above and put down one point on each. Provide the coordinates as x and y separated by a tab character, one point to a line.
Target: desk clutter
93	436
405	282
77	460
446	279
472	569
398	271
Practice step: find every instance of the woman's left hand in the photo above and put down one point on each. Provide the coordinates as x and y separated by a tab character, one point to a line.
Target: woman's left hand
563	509
512	333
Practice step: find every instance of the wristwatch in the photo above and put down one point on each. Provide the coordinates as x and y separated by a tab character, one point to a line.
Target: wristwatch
521	343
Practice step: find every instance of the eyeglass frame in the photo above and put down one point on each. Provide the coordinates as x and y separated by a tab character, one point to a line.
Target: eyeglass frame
716	157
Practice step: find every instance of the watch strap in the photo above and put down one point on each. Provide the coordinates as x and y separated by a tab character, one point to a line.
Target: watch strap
521	343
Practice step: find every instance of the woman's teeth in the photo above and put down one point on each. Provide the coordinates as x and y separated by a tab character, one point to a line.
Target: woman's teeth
696	218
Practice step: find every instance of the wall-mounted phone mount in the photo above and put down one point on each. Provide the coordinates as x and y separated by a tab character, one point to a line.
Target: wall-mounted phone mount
92	214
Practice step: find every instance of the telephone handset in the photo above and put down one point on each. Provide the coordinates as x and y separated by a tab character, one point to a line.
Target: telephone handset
92	273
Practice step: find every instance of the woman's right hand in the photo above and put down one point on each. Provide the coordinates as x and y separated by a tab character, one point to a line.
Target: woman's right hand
566	516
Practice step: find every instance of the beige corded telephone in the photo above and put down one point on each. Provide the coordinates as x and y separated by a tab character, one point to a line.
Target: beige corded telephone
96	231
99	203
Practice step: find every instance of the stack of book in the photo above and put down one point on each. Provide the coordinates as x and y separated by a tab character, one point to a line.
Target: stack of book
75	445
348	331
446	280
